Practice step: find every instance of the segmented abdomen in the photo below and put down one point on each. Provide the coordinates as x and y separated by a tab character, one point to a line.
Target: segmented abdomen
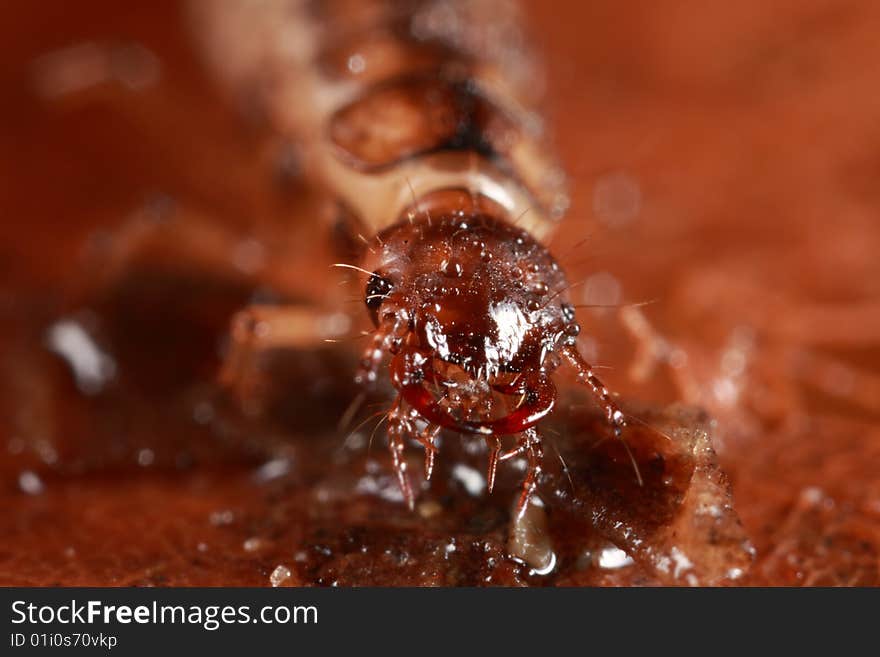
395	100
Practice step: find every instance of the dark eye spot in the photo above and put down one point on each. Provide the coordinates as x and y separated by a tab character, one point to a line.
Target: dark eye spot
376	292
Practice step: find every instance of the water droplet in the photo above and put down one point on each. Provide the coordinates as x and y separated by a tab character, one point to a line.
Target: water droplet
146	457
254	544
471	478
223	517
272	470
92	368
29	482
280	575
613	557
617	199
357	63
602	289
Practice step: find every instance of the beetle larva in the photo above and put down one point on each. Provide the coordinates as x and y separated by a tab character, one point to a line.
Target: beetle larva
418	117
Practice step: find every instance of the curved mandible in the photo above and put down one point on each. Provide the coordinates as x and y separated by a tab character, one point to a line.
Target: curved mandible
412	367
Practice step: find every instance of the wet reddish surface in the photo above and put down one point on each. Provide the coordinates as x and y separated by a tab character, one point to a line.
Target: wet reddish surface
723	164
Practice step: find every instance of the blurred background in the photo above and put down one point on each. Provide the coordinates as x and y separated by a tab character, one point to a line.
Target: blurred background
724	161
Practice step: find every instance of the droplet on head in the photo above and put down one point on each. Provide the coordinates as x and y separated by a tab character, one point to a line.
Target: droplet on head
539	287
452	268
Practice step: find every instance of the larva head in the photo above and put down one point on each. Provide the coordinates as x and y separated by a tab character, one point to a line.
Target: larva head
471	290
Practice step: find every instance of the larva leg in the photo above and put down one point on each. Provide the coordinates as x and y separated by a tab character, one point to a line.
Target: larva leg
386	339
258	329
201	243
530	446
585	376
613	415
651	347
494	456
653	350
398	428
426	438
